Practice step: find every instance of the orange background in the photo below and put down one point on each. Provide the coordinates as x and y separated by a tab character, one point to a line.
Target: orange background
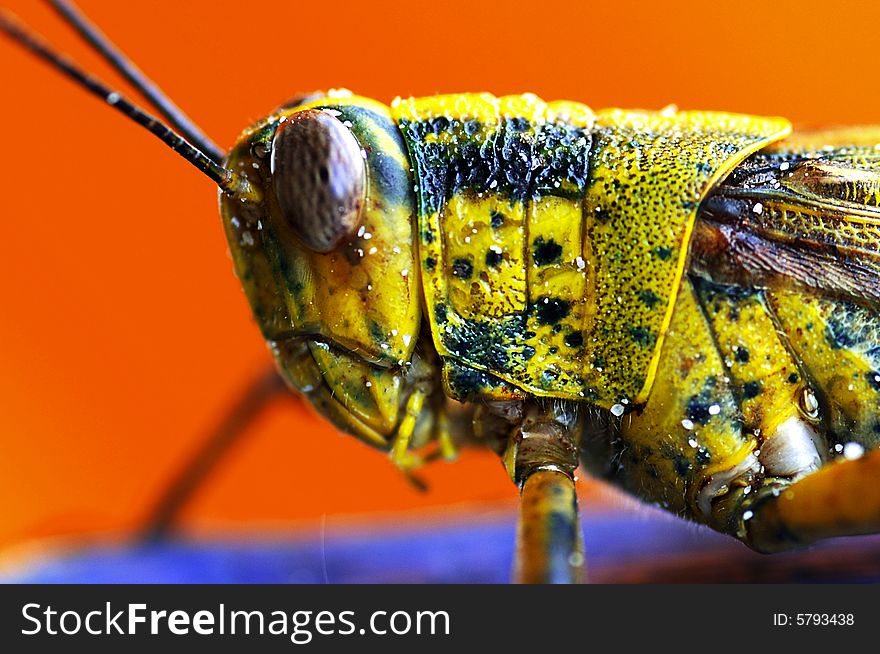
123	332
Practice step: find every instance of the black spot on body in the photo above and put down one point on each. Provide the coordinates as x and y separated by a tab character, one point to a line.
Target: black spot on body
466	384
440	314
493	258
462	268
793	378
528	352
698	409
751	389
551	310
741	355
704	457
873	378
663	253
546	252
486	344
428	236
642	336
496	219
438	124
575	339
601	215
650	298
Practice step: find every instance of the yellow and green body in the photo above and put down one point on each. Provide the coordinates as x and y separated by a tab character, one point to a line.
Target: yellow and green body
680	301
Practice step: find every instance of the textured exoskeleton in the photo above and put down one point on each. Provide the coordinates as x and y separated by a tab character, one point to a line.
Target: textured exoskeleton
683	300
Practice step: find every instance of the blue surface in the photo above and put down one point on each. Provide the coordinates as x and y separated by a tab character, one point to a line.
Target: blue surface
620	547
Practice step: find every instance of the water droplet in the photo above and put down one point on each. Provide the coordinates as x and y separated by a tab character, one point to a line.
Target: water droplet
617	410
853	451
687	424
714	410
758	208
748	515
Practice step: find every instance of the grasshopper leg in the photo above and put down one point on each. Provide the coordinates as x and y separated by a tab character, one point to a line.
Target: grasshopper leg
541	457
400	454
550	548
842	498
261	390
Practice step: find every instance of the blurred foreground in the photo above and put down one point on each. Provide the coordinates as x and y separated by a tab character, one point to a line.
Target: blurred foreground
631	545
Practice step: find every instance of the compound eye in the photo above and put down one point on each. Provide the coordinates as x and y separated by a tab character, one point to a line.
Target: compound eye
318	173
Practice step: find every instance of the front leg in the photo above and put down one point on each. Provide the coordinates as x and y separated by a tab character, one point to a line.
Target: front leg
541	457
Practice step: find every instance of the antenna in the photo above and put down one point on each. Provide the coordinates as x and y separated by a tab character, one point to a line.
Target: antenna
126	67
230	182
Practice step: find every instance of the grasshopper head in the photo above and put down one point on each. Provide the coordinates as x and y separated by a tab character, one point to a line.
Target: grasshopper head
327	257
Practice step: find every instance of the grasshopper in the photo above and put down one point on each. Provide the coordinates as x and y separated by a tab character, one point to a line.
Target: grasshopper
682	302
